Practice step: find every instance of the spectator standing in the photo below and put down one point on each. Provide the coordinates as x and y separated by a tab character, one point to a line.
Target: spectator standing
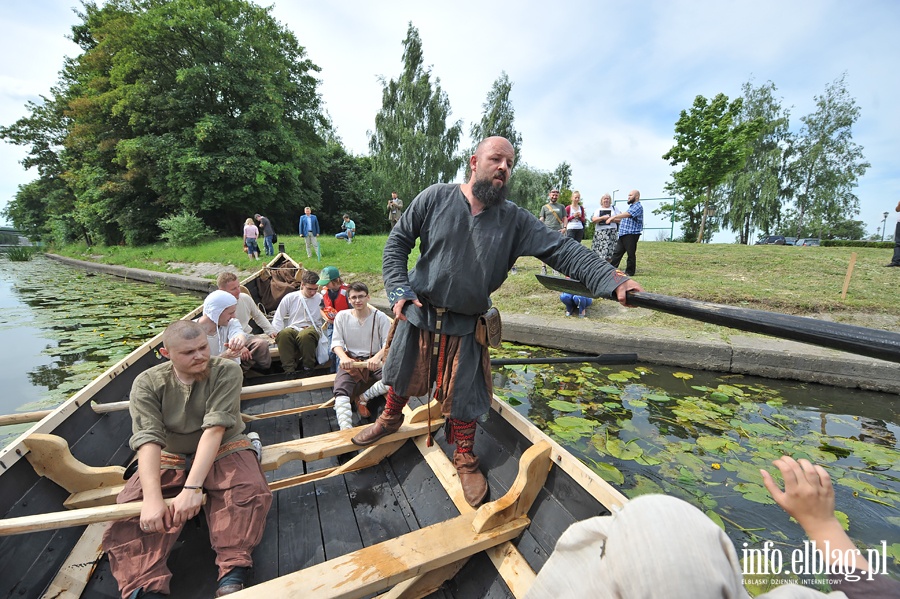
309	231
268	233
631	225
251	234
348	229
896	260
553	215
575	218
605	234
395	209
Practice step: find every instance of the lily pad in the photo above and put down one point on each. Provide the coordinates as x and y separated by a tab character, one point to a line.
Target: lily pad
683	375
609	472
563	406
716	518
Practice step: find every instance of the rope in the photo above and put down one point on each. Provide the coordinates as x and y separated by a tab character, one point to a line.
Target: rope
342	410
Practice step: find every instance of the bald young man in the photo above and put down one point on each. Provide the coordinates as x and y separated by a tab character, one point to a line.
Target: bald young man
188	410
470	236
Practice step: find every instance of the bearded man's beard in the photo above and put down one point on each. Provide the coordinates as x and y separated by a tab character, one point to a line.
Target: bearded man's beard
202	376
489	195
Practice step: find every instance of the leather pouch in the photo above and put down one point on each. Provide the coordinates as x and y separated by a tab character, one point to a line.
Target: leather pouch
489	329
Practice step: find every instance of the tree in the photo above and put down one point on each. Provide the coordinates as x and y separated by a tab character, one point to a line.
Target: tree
186	105
528	187
561	177
689	212
825	163
753	194
710	145
412	146
499	116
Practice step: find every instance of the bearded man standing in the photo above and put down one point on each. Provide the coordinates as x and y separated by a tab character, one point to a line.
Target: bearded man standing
188	435
470	237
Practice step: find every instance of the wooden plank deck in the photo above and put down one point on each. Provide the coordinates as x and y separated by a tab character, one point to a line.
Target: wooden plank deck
326	519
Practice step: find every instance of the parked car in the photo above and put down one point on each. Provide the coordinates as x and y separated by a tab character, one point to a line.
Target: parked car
772	240
808	241
790	240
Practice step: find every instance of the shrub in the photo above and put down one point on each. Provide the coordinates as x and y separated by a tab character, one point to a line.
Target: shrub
22	253
844	243
184	229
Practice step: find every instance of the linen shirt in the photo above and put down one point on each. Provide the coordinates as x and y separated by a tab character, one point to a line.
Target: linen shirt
247	310
464	258
291	313
173	415
635	224
361	339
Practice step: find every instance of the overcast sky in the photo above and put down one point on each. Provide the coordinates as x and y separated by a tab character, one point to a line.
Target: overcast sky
598	84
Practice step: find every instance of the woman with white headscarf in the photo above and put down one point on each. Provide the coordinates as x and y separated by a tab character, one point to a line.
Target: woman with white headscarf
223	330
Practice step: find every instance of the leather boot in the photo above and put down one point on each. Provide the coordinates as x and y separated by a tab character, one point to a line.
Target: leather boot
384	426
361	407
473	482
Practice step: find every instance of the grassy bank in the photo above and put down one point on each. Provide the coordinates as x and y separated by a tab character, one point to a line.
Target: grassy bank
784	279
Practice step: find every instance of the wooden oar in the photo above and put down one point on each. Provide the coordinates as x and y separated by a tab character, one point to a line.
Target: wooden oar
248	392
601	359
874	343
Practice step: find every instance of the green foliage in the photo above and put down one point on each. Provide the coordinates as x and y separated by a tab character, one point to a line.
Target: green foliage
752	194
824	163
184	229
845	243
528	187
413	146
710	144
178	105
498	117
20	253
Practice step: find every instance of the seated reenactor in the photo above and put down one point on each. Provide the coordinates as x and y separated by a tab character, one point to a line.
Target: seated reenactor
187	411
298	321
255	353
359	336
223	331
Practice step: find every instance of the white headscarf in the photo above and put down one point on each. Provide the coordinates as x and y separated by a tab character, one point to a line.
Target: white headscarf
216	303
655	546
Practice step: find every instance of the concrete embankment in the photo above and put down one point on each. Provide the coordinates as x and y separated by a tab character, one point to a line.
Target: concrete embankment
739	354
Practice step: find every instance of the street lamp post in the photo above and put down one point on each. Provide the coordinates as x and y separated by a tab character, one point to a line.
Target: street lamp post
614	196
884	226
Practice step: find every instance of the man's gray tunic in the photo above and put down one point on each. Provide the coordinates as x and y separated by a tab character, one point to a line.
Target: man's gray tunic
463	259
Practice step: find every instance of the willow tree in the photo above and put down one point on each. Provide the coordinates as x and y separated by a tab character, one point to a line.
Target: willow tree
499	116
413	146
753	193
825	161
711	144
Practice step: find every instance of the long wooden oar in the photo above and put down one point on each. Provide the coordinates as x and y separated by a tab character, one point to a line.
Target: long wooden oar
874	343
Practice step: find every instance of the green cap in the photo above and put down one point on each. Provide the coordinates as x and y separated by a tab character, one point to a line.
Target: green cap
329	273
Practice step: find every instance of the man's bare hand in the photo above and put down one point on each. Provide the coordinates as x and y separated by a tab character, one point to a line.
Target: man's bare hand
186	505
398	308
155	515
624	288
245	355
346	362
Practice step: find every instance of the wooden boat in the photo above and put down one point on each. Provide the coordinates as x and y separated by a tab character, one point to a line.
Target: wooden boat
344	523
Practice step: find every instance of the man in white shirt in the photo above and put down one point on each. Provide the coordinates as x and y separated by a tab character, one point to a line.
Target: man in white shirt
359	336
298	323
255	353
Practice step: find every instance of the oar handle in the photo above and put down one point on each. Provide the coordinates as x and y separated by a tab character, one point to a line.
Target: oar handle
874	343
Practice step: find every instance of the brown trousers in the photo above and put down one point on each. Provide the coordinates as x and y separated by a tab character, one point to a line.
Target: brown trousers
258	345
238	500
